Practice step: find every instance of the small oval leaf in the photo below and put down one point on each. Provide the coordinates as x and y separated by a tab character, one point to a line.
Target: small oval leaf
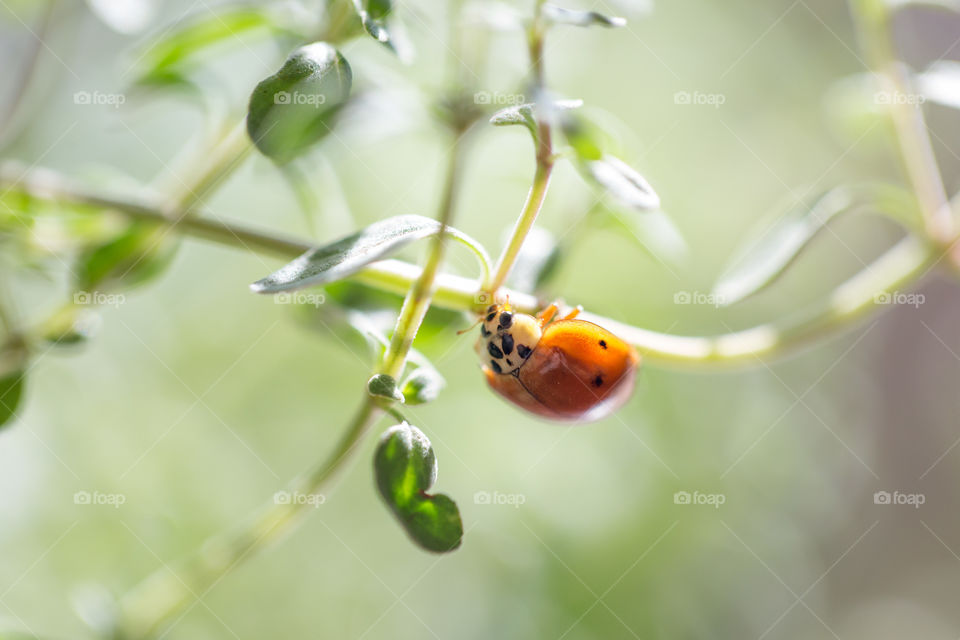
423	385
349	255
406	468
560	15
524	114
384	386
623	183
293	109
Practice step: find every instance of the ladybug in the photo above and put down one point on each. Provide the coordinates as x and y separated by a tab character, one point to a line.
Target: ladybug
567	370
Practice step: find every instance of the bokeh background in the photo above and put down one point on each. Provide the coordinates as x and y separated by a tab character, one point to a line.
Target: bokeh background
198	400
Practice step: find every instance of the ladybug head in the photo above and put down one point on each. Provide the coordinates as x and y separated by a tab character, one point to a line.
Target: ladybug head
506	338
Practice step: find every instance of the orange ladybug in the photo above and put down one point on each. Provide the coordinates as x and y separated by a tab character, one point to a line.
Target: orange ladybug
568	370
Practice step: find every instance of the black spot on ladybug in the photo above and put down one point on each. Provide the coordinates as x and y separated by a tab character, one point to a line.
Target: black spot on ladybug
603	344
495	366
491	308
507	343
506	319
491	316
484	332
494	350
598	381
509	362
523	351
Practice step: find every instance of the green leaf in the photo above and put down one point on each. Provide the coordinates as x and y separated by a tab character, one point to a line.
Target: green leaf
384	386
524	114
349	255
293	109
11	393
375	15
560	15
70	325
135	256
406	468
623	183
583	136
423	385
180	47
767	258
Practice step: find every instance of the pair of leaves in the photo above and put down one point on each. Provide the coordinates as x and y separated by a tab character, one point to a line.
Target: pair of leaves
769	257
347	256
293	109
406	468
423	385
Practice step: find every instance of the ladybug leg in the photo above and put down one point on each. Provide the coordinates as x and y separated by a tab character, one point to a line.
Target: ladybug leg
573	312
547	314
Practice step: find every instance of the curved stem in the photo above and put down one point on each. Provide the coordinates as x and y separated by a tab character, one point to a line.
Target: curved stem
894	271
538	191
545	159
146	609
225	158
873	21
419	296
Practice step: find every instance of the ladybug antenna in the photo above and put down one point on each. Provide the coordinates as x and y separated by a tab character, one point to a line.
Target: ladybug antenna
471	327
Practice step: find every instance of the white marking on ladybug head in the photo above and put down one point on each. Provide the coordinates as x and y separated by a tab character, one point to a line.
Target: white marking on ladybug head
507	339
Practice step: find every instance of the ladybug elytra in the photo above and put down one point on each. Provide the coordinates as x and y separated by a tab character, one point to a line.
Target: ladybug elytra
567	370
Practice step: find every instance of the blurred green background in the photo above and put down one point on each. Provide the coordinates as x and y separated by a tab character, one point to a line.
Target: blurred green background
198	400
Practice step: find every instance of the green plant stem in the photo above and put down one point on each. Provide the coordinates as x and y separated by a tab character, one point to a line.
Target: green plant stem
545	160
873	21
894	271
145	610
420	294
531	208
223	159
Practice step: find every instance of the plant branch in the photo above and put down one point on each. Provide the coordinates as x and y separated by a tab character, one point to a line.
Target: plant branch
146	609
873	21
419	296
894	271
545	160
